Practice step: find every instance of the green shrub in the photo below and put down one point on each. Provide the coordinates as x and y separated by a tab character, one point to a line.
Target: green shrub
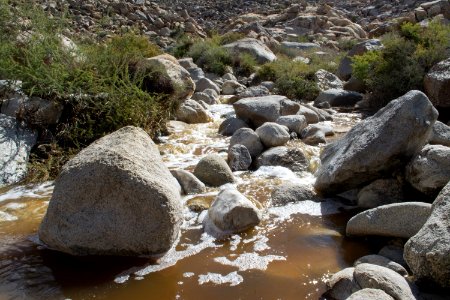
211	56
97	83
245	64
402	63
295	79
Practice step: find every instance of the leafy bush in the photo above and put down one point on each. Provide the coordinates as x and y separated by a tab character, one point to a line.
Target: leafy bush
97	83
210	56
245	64
402	63
295	79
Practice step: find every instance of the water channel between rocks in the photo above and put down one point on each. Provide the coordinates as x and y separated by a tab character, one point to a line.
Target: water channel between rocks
288	256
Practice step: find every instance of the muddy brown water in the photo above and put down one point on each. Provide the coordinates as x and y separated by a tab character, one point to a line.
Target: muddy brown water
288	256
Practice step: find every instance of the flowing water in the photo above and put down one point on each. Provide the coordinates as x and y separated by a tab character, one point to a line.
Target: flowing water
288	256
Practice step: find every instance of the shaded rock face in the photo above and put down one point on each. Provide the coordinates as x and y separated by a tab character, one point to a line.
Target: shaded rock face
258	110
115	197
394	220
291	158
15	145
377	145
337	97
441	134
231	125
254	47
233	212
427	252
213	170
437	84
295	123
429	171
239	159
380	192
174	79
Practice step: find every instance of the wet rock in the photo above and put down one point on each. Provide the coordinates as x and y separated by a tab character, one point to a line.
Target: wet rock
394	220
291	158
239	158
315	134
366	294
231	125
248	138
188	182
192	112
205	83
437	84
380	192
326	80
199	204
441	134
377	145
254	47
295	123
173	75
232	212
115	197
272	134
259	110
16	142
336	97
429	171
341	285
291	192
345	68
232	87
427	252
213	170
376	277
383	262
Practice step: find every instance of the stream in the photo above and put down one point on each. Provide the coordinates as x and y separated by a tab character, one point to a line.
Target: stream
288	256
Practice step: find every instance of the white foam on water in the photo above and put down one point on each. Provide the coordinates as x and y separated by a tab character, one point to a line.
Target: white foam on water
6	217
307	207
234	242
188	274
249	261
43	190
14	206
170	259
233	278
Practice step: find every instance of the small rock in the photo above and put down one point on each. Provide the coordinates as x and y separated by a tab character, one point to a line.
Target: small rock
205	83
213	170
239	158
192	112
291	158
291	192
341	285
231	125
189	183
248	138
272	134
295	123
383	262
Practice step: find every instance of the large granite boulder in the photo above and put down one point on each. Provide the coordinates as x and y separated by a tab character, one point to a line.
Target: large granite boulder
383	262
258	110
429	171
428	253
288	157
254	47
16	142
378	145
272	134
437	84
393	220
115	197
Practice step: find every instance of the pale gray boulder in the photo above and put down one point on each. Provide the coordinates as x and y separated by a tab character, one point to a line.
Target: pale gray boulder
254	47
440	135
377	145
428	253
383	262
230	125
369	294
429	171
192	112
288	157
291	193
393	220
341	285
248	138
272	134
188	182
295	123
115	197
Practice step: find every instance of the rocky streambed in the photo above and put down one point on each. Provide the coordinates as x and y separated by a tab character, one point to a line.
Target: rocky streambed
290	254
